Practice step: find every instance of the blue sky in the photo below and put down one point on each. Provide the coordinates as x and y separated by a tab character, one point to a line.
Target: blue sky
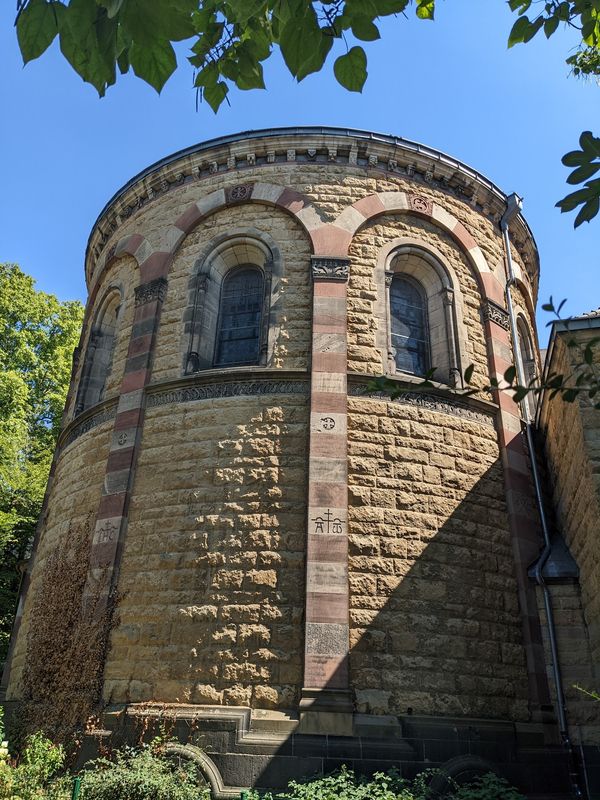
451	84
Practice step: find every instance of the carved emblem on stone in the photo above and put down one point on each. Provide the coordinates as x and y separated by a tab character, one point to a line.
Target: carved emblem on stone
420	204
251	159
291	155
429	176
311	153
108	533
270	157
237	194
122	438
392	164
492	312
231	162
410	170
330	269
373	160
151	291
332	154
328	423
213	167
327	523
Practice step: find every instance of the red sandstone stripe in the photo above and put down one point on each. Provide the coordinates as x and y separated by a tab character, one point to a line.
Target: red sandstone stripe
155	266
329	402
327	444
330	289
112	505
326	607
327	548
323	495
120	459
141	344
329	362
128	419
134	380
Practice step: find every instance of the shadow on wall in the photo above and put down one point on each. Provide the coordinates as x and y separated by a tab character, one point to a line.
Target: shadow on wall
435	631
436	663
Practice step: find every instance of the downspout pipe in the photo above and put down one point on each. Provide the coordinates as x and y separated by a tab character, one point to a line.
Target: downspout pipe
514	205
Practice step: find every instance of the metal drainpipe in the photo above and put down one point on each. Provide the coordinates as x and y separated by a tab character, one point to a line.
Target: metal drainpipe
513	206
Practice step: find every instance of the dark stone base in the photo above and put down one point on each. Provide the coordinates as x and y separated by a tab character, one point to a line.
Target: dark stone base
236	749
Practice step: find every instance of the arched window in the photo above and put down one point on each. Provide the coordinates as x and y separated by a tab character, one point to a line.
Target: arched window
234	314
240	318
409	329
422	332
99	353
527	354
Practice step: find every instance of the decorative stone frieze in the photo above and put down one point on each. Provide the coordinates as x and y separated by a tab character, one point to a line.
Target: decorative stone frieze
495	313
329	269
150	292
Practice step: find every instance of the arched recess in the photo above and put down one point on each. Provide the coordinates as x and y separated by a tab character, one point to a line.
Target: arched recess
134	245
97	363
446	331
240	249
293	203
527	353
334	239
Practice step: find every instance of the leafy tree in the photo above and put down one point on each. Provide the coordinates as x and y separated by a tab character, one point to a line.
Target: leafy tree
37	337
232	38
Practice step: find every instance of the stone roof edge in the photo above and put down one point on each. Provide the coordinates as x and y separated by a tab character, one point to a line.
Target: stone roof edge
447	173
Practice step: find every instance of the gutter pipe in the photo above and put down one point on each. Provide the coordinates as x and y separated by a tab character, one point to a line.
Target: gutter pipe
514	205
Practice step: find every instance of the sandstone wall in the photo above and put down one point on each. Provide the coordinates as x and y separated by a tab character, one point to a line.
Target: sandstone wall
213	568
572	443
435	623
73	503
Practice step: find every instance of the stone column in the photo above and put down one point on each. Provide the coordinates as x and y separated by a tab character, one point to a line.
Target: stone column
111	519
326	705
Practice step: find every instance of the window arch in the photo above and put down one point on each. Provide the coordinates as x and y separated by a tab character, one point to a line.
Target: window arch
234	314
409	326
97	364
237	341
528	360
422	318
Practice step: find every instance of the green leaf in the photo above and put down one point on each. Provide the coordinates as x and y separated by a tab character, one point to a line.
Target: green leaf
588	212
518	31
80	45
351	69
112	6
590	144
37	27
365	29
582	173
510	374
469	373
571	201
154	22
520	393
550	26
521	5
575	158
375	8
250	74
244	10
425	9
214	94
304	45
154	64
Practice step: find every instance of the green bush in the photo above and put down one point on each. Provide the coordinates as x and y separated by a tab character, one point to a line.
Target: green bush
345	785
144	774
36	774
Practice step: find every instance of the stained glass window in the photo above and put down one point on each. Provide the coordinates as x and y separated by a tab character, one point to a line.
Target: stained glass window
410	336
240	318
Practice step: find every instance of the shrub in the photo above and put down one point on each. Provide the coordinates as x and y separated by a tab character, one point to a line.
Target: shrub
35	775
344	785
143	774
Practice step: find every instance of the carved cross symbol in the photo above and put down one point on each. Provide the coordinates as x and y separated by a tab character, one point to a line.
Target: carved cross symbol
333	524
122	438
328	423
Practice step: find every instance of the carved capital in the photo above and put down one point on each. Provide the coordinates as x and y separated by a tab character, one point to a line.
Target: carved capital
329	268
492	312
389	277
151	291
